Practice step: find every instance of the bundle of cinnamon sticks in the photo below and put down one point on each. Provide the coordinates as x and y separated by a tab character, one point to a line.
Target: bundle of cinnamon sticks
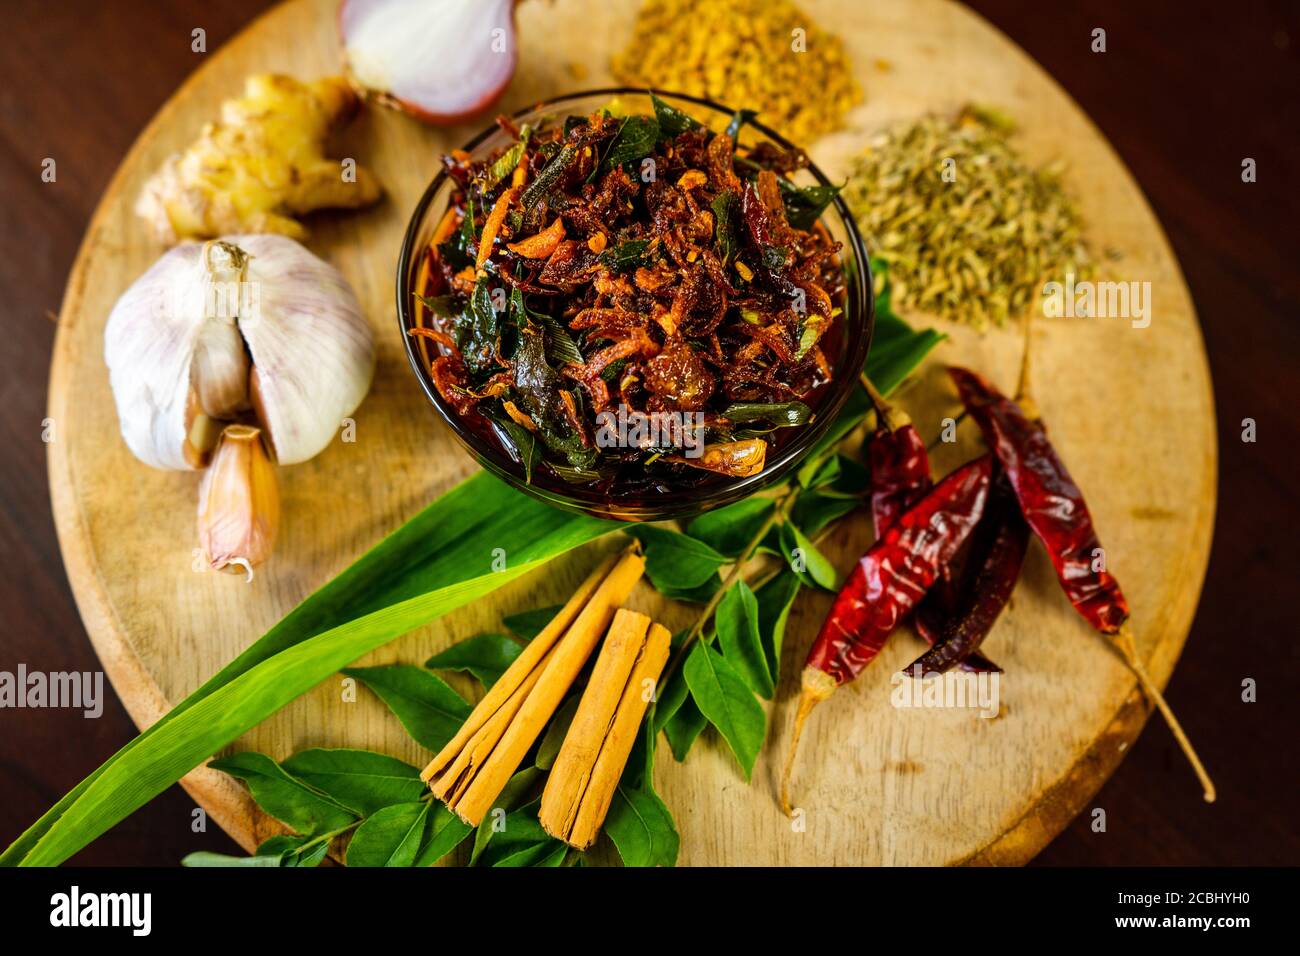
471	771
595	750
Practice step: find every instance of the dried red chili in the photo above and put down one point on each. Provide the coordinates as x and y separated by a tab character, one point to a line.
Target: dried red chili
900	477
997	550
1055	509
900	472
1052	503
885	584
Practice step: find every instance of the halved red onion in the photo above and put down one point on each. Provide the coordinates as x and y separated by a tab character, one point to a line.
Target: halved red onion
439	60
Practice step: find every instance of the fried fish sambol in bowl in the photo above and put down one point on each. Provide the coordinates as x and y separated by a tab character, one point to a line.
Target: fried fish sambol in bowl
637	305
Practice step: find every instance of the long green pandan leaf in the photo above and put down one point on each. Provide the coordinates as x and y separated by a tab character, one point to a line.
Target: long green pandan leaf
438	561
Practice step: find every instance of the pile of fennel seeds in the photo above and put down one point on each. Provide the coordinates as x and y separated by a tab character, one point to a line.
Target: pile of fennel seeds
763	55
970	231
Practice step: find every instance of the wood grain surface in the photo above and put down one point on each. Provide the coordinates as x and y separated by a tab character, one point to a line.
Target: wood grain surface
951	787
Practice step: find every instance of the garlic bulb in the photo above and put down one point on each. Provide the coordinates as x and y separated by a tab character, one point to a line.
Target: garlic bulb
218	328
245	328
239	504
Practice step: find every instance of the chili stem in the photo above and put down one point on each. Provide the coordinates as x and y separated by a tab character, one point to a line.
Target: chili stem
1023	398
806	703
1124	643
891	417
957	420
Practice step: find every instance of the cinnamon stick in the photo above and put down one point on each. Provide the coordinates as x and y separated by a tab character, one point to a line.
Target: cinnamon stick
577	757
450	785
595	751
472	770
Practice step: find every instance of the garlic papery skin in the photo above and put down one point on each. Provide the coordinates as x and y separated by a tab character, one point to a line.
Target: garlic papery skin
313	353
185	340
239	503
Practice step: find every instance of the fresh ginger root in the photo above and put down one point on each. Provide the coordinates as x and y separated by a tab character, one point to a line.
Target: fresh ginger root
260	165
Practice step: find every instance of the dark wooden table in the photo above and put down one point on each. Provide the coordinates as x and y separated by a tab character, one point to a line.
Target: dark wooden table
1185	91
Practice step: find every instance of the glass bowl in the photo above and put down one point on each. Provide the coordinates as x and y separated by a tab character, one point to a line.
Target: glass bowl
855	328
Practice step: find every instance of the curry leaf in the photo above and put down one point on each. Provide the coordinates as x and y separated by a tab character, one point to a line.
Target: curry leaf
443	306
856	409
684	726
843	477
828	472
722	696
284	796
516	791
725	207
521	840
561	349
358	779
730	528
670	696
519	442
672	121
642	828
775	598
805	204
814	510
430	711
675	561
549	176
486	657
478	328
445	832
625	255
549	748
390	837
636	138
309	856
805	560
283	845
737	625
699	594
505	164
896	349
528	624
295	851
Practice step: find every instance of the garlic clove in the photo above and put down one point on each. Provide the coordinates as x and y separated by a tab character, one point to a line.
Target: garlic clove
201	433
239	503
312	350
220	371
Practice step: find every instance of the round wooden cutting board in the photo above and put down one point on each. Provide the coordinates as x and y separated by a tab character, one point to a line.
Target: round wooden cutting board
1130	408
